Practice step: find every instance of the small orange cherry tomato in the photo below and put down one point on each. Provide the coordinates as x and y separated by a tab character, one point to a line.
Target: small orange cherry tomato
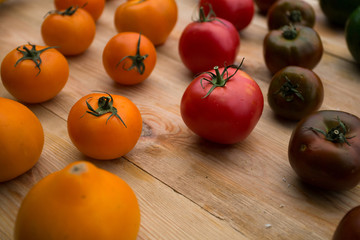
21	139
94	7
72	30
79	202
153	18
34	74
129	58
104	126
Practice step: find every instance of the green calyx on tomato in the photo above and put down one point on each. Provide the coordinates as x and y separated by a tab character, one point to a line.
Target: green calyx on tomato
137	60
67	12
289	32
336	134
218	80
288	90
31	54
105	105
294	16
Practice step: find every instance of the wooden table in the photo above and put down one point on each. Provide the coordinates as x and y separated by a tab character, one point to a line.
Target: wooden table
189	188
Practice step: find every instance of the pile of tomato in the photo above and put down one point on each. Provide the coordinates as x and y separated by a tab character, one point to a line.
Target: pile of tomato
222	104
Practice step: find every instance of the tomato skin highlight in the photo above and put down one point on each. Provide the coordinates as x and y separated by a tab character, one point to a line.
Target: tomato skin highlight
229	114
239	13
104	137
204	45
323	163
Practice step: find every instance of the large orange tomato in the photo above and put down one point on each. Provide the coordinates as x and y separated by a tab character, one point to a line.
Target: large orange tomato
21	139
129	58
94	7
34	74
153	18
79	202
71	30
104	126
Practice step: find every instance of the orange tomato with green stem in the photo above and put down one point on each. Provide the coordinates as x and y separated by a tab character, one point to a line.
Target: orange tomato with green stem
72	30
94	7
79	202
21	139
34	74
129	58
153	18
104	126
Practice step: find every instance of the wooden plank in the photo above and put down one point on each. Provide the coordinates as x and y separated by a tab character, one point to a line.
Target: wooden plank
189	188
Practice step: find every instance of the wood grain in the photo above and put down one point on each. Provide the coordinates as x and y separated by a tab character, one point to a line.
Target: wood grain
189	188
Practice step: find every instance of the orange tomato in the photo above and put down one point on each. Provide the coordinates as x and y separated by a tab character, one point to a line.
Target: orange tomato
104	126
21	139
153	18
94	7
129	58
72	30
34	74
79	202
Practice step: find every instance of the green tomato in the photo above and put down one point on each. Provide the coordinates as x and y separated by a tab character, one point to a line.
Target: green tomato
352	34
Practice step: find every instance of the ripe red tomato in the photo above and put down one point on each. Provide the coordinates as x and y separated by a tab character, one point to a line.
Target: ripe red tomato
222	105
207	43
239	13
324	150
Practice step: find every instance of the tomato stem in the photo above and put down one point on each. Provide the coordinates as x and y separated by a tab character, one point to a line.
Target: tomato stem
105	105
336	134
217	79
288	90
137	60
67	12
31	54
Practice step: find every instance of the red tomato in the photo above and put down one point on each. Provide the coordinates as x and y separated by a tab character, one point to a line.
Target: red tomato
222	107
239	13
207	43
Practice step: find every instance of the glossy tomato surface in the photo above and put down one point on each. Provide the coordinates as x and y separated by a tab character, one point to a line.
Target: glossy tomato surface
226	113
349	226
292	46
285	12
294	92
324	150
207	43
239	13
